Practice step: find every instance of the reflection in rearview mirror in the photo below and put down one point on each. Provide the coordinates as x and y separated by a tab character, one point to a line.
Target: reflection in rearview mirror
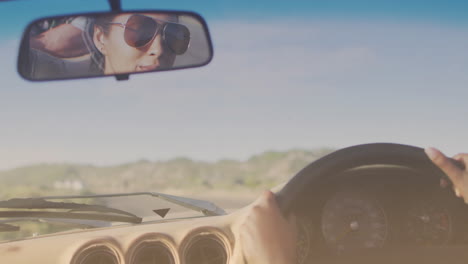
113	44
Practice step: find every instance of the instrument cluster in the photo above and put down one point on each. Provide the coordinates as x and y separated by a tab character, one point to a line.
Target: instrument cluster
379	209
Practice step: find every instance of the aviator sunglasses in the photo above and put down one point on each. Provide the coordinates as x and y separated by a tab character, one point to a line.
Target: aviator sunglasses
141	30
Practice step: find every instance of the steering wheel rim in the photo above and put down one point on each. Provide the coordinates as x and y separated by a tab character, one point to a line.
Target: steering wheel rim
352	157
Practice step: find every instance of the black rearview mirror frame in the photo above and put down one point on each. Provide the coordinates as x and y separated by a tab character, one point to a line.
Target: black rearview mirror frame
26	59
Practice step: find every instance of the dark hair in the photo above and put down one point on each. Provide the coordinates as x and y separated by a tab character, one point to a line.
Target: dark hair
104	23
97	58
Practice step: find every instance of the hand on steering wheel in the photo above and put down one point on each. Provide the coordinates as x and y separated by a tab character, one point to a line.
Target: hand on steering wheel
458	175
265	235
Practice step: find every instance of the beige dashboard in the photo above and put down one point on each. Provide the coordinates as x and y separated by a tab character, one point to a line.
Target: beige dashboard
210	239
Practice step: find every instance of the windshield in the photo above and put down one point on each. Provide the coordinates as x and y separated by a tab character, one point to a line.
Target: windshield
289	83
30	217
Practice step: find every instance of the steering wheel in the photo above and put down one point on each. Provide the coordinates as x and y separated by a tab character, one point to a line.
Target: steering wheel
361	155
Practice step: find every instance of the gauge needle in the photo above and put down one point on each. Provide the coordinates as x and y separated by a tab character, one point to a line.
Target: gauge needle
353	226
426	219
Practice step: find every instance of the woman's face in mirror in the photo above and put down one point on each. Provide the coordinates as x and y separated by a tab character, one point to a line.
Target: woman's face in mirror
120	57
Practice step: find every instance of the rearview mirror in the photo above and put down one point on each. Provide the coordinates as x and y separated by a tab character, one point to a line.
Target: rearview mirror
102	44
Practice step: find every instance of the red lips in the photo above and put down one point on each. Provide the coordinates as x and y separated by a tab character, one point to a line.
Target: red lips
148	67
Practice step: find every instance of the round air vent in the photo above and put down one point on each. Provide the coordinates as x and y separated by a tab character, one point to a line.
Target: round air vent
97	255
152	253
206	248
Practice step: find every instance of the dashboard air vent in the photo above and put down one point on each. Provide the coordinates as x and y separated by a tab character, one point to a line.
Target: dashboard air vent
97	255
152	253
206	249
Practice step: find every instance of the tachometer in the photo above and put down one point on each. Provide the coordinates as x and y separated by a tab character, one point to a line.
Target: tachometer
351	220
429	223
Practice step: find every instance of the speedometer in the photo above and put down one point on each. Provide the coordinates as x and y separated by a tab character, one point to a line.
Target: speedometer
351	220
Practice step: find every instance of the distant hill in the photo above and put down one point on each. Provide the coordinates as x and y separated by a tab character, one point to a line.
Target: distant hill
260	171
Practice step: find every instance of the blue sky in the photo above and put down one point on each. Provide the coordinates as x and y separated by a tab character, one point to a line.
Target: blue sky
451	11
285	75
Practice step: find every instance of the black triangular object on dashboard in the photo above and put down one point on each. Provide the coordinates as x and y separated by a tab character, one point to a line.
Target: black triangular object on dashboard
162	212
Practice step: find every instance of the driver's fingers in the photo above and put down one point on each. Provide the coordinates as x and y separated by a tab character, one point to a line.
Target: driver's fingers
453	172
268	201
462	158
237	256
